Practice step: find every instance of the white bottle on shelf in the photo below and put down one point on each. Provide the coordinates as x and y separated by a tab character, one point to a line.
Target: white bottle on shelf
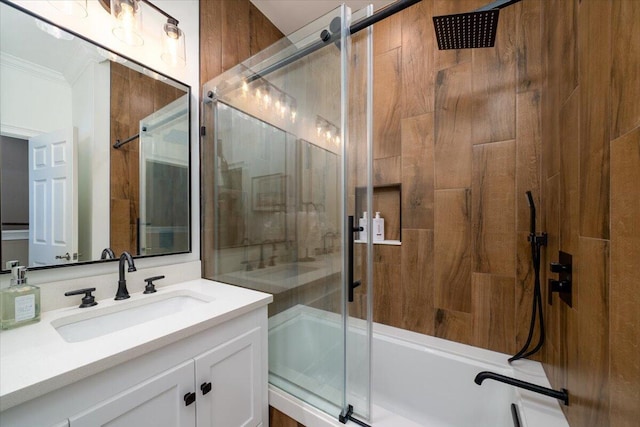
378	228
362	222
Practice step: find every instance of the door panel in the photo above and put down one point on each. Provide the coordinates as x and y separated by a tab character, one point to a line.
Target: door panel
157	402
233	370
53	198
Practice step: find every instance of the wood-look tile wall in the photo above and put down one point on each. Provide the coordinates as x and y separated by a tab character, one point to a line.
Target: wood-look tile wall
591	164
134	96
463	130
552	109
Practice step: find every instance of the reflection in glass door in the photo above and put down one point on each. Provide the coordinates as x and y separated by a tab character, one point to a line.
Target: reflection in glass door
288	130
164	165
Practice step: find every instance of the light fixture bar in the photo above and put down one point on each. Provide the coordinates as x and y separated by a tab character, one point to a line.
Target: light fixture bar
173	20
107	6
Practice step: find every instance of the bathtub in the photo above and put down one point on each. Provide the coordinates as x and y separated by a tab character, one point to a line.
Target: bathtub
417	380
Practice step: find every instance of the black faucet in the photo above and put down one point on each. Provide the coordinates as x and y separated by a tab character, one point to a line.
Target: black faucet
246	242
123	293
560	395
107	253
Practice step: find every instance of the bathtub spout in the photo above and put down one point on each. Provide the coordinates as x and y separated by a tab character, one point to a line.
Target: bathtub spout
560	395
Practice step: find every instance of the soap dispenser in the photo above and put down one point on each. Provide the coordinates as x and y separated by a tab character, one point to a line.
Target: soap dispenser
378	228
363	224
20	302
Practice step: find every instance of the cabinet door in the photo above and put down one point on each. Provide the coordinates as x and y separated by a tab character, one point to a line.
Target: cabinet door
157	402
233	370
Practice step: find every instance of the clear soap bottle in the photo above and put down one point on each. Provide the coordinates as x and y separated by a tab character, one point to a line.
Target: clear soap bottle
20	302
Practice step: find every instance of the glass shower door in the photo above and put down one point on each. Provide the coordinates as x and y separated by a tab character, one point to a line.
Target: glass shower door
281	163
163	225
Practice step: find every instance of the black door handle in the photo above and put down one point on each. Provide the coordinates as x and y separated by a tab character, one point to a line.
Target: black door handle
189	398
350	230
206	388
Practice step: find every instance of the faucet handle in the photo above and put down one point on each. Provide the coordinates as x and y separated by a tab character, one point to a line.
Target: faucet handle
150	287
88	300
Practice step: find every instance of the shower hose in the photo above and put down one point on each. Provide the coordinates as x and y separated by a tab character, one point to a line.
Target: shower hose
537	241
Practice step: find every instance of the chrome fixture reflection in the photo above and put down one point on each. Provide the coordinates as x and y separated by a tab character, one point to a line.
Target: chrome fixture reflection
327	130
107	253
270	97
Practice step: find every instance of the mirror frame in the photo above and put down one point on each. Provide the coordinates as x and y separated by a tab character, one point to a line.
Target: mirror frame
138	67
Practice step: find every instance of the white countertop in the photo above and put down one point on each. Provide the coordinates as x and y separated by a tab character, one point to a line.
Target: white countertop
35	359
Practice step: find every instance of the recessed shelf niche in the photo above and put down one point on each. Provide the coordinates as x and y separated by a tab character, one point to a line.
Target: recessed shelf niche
387	199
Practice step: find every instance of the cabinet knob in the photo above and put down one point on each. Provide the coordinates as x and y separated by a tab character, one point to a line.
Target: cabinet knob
189	398
206	388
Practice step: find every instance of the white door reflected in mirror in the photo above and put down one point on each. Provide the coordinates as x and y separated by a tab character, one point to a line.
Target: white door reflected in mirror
53	198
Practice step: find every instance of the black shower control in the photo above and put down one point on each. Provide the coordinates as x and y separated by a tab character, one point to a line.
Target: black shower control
556	267
150	287
562	286
88	300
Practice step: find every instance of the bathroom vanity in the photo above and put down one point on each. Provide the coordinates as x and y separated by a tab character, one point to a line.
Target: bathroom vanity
192	354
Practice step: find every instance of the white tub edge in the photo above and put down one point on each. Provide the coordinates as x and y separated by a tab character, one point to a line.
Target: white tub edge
534	409
299	410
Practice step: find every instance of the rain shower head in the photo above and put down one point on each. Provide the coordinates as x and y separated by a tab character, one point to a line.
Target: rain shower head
466	30
469	30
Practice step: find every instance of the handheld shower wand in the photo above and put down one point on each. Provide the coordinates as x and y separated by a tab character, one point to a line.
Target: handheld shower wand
537	241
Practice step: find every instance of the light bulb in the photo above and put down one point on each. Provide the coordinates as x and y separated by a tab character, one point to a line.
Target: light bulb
173	46
127	15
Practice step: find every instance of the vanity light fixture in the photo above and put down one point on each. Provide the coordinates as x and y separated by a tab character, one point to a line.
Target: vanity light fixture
173	47
127	15
128	21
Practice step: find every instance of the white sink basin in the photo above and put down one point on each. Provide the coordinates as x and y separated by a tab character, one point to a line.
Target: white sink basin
124	314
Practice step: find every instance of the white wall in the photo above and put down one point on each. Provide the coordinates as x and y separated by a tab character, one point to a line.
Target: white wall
91	116
97	27
30	87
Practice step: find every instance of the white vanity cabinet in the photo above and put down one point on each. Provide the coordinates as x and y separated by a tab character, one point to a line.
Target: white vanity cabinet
225	392
223	369
228	383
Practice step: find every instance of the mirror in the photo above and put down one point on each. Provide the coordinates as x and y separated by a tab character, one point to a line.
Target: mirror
66	192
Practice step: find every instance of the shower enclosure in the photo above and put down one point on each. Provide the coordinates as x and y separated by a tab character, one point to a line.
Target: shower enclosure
286	151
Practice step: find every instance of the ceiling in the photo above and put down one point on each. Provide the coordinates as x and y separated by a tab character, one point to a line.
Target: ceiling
290	15
21	38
